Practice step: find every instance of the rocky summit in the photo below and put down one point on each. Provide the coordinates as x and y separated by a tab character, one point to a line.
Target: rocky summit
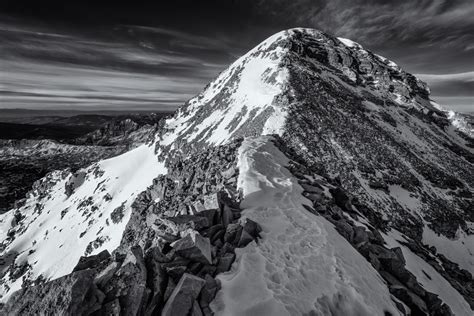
312	177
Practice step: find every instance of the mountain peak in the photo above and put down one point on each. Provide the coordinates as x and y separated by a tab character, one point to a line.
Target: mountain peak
252	96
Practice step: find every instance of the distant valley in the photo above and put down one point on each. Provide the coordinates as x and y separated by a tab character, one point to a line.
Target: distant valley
33	144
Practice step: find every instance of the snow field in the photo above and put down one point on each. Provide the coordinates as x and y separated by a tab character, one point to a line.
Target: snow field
58	236
302	265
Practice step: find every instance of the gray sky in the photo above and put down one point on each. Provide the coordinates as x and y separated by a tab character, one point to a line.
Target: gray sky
152	55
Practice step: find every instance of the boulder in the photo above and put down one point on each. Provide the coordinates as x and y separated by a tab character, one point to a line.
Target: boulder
154	254
443	310
210	215
198	222
432	301
175	272
232	233
245	239
225	262
128	284
207	269
311	188
169	289
197	206
227	248
209	291
213	230
315	197
376	238
91	261
182	299
341	199
360	235
106	274
195	267
110	308
252	228
217	233
227	215
194	247
345	229
196	310
176	262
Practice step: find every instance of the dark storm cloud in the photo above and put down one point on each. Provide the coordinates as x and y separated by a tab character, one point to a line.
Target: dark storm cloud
180	45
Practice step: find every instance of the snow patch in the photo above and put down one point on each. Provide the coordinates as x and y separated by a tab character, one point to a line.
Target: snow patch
428	277
406	198
459	250
460	123
348	42
301	265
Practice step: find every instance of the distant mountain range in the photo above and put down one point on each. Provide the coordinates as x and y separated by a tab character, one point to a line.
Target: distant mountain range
37	145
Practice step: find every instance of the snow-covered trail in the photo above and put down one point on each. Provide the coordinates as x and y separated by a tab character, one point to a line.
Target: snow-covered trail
302	265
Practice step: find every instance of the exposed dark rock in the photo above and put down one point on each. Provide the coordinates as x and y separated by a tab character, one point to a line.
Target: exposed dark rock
312	188
252	228
91	261
416	304
345	229
109	308
225	262
198	222
226	215
196	310
63	296
360	235
245	239
195	248
208	291
182	299
233	233
118	213
210	215
341	199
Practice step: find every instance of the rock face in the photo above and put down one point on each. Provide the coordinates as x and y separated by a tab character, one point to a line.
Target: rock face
63	296
183	298
367	155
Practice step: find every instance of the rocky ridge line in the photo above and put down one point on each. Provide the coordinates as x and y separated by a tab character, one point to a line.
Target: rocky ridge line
183	232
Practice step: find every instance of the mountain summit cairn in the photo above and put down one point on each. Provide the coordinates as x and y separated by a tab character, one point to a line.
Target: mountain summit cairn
312	176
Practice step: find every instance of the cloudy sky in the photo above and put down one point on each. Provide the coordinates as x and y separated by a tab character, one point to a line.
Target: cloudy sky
152	55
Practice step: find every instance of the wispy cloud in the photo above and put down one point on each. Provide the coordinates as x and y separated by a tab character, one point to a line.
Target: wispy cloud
168	58
463	76
125	67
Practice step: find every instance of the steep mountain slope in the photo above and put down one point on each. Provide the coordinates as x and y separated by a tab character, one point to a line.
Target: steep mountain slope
362	199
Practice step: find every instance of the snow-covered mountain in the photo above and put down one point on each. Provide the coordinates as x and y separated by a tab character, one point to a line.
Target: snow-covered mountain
310	177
